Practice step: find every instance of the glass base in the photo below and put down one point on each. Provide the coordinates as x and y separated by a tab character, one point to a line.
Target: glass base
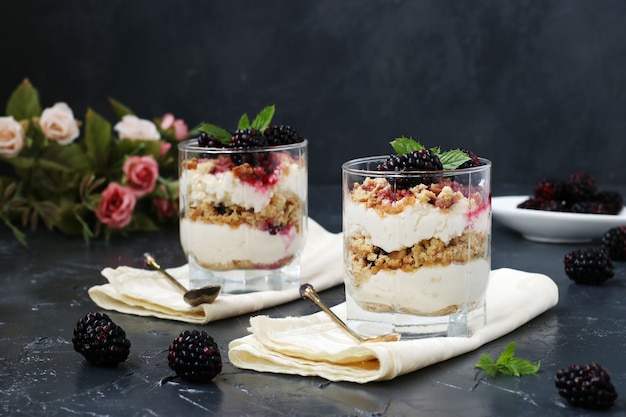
244	281
369	324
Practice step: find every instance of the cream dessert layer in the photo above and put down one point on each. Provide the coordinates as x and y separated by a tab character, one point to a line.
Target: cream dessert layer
243	217
409	250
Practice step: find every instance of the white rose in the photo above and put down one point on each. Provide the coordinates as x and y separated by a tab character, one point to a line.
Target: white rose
58	124
11	137
132	127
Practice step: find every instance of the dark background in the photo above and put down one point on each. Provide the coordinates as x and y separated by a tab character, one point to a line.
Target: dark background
538	87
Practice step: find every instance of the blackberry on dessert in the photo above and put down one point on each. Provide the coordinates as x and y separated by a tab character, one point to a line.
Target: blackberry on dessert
100	340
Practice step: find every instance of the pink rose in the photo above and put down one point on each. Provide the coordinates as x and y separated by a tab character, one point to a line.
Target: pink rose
181	130
115	208
165	147
141	173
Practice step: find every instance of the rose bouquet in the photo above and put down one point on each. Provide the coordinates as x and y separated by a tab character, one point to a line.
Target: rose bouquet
116	178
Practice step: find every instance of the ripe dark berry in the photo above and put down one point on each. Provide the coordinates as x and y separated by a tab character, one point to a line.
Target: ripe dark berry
539	204
549	189
587	386
282	135
614	242
100	341
419	160
588	266
248	138
612	201
195	356
209	141
580	186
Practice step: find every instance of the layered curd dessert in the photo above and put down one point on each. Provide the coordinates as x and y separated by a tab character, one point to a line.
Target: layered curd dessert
417	243
240	216
243	197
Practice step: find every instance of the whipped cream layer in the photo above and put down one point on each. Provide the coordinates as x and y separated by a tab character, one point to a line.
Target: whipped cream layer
207	184
426	291
221	247
414	223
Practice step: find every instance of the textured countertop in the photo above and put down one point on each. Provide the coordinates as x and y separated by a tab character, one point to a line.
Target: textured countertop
44	293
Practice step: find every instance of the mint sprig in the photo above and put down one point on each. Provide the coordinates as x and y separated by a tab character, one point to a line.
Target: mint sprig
507	364
220	134
260	123
450	160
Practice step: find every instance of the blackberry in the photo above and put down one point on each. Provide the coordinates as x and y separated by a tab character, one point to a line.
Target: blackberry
248	138
614	242
419	160
549	189
590	266
587	386
100	341
195	356
540	204
580	186
590	207
282	135
207	140
612	200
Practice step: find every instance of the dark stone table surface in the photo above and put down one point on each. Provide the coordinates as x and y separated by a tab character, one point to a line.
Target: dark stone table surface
44	293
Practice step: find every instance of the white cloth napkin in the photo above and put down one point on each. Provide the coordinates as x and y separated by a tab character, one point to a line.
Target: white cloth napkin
314	345
145	292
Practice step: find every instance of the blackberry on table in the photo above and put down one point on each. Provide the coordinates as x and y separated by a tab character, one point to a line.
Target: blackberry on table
100	340
282	135
614	242
590	266
195	356
587	386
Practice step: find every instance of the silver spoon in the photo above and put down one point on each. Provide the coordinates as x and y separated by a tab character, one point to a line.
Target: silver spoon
307	291
195	297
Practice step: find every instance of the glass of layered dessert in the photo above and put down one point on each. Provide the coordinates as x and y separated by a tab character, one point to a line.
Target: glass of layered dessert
417	241
243	206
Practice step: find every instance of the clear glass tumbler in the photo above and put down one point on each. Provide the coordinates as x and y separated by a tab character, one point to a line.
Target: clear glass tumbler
417	249
243	215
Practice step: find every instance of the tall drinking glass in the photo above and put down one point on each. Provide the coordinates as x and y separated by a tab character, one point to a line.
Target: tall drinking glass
243	215
417	249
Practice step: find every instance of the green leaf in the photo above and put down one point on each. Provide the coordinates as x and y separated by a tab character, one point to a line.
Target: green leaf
404	145
24	102
264	118
97	139
453	159
507	364
486	363
244	122
220	134
119	109
506	354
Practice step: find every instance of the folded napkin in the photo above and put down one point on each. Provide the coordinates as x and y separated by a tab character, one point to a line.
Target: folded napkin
145	292
314	345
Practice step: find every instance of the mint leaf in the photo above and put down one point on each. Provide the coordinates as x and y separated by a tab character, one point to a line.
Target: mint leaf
404	145
506	354
523	367
486	363
453	159
507	364
244	122
264	118
220	134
